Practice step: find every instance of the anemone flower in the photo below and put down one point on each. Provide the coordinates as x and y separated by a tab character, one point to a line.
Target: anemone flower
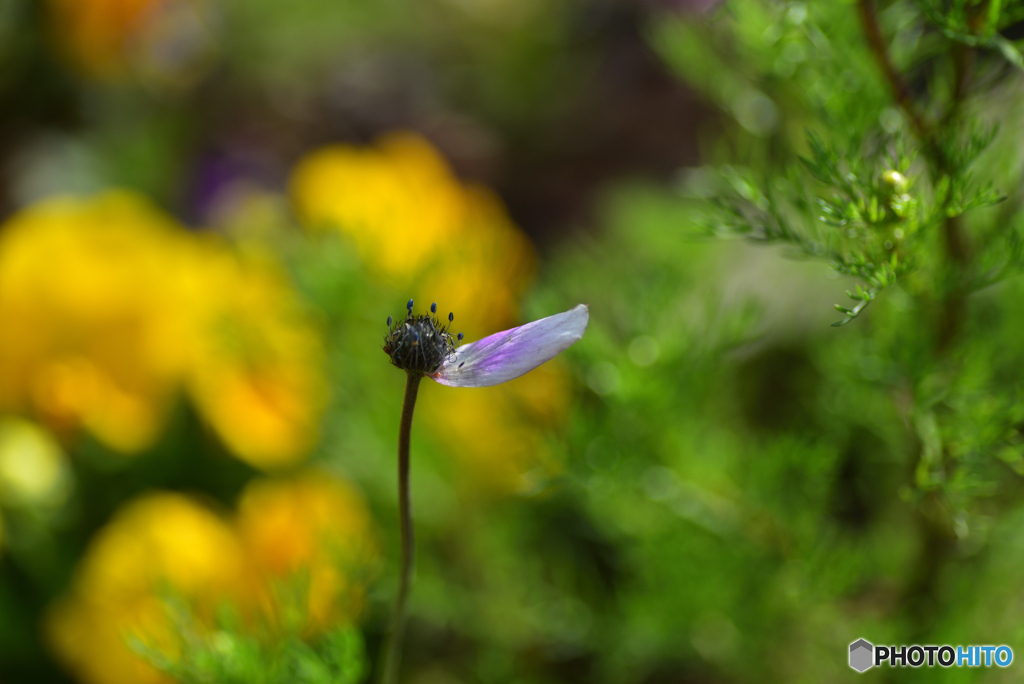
423	346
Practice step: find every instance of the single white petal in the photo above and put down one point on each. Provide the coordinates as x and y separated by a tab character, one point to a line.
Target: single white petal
507	355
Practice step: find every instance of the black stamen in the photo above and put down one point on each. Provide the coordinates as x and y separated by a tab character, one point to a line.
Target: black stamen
451	317
459	337
419	344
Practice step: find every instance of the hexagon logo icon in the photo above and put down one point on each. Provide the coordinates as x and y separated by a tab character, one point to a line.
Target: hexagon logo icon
861	655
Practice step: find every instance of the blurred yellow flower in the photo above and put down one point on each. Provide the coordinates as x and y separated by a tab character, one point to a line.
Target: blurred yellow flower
166	41
480	273
256	374
157	543
90	295
311	527
111	308
397	201
316	525
417	227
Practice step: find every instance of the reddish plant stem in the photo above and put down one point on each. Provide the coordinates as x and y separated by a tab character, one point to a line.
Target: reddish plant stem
392	653
934	521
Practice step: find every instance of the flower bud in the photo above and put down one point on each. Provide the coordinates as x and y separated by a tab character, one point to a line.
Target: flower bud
895	181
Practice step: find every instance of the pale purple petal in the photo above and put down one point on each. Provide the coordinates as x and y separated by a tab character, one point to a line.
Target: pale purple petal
509	354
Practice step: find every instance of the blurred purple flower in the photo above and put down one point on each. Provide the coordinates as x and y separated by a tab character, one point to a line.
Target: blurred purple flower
422	345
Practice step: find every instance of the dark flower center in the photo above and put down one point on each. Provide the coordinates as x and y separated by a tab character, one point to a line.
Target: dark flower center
419	344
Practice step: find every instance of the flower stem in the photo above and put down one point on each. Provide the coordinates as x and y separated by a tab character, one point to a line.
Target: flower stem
393	644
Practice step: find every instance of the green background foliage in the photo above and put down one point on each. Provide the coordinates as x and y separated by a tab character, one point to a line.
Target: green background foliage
743	487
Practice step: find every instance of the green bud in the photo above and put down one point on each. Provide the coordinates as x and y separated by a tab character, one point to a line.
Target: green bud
896	181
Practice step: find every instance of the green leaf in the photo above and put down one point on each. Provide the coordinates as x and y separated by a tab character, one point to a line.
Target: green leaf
1008	49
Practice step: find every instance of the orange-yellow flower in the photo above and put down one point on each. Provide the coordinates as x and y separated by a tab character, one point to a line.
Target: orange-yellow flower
255	372
95	32
309	537
165	40
160	542
313	528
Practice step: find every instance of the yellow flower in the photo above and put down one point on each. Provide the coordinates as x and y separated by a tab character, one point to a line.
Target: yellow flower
156	543
312	527
417	227
482	271
397	201
256	374
89	295
110	308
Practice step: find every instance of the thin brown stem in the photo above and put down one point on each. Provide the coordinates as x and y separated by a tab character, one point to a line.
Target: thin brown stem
900	90
954	239
392	657
934	520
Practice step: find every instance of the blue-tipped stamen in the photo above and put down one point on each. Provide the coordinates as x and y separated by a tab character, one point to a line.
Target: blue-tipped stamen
419	344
